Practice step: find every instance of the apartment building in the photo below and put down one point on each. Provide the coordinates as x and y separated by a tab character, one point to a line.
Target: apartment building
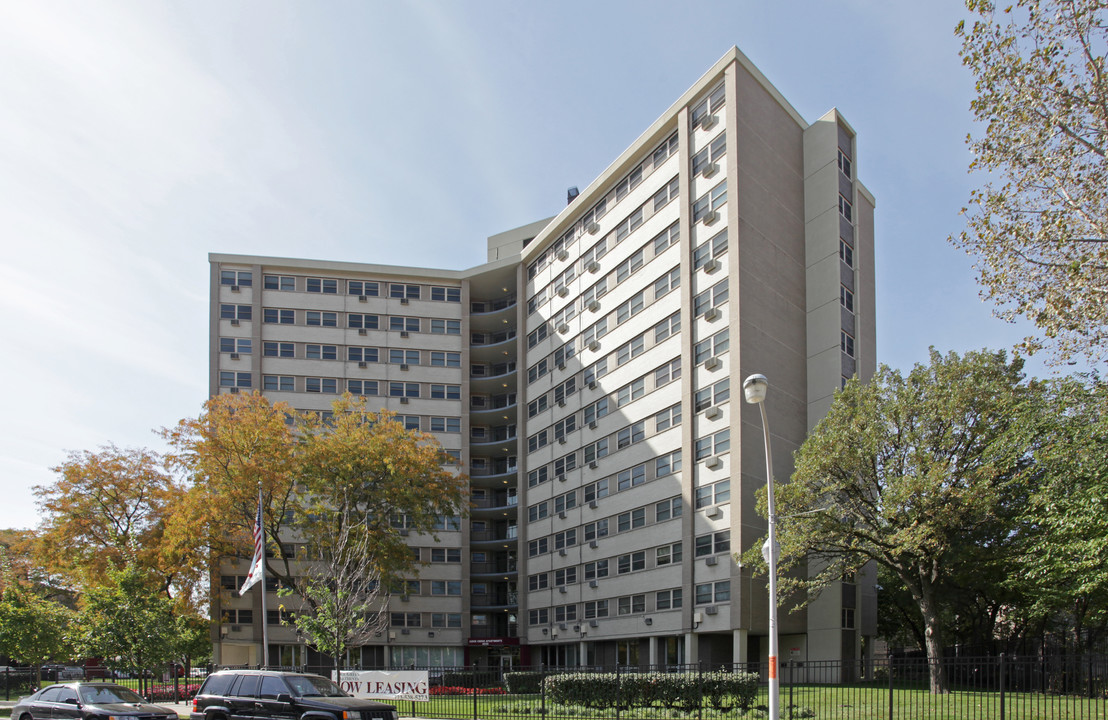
589	377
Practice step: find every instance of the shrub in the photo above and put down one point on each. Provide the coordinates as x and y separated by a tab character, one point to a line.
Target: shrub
720	691
524	683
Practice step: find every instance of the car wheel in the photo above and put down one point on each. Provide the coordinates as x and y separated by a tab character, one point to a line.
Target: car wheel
25	716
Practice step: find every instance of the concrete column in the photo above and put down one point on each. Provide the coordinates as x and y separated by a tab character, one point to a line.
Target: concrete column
582	654
653	659
739	646
692	648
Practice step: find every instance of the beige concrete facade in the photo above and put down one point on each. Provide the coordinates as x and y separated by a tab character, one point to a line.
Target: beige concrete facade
598	361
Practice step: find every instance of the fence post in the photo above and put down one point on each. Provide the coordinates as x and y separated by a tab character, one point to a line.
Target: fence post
619	694
889	667
473	682
7	683
700	687
542	690
1089	658
1001	686
789	675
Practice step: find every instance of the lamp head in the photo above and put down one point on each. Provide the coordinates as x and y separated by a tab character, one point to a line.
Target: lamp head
755	387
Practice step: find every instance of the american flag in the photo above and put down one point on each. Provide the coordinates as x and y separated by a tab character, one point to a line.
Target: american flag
257	564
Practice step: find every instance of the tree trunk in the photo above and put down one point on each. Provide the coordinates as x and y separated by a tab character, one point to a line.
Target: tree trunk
933	639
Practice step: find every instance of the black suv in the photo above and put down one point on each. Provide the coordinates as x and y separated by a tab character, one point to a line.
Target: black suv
271	695
88	701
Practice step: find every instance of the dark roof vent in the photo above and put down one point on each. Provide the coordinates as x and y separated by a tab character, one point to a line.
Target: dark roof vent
572	194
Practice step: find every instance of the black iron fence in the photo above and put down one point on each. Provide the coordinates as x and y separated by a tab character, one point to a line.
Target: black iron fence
1055	687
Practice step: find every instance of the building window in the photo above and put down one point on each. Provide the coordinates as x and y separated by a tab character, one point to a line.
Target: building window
846	342
596	609
235	379
278	349
282	383
668	599
367	355
235	312
710	249
235	277
400	290
632	562
446	620
446	327
667	554
446	294
321	319
631	520
713	543
848	618
846	298
446	424
362	387
404	324
539	581
846	253
404	357
242	346
630	604
710	201
286	283
363	322
321	385
711	154
446	392
667	464
846	209
844	163
596	570
401	389
446	587
323	285
565	576
446	359
667	509
362	287
321	352
713	494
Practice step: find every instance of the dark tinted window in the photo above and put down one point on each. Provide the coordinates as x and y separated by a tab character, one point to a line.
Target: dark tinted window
67	694
218	684
272	686
247	686
49	694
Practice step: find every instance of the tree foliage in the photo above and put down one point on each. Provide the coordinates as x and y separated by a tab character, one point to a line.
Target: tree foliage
238	444
1063	561
126	621
920	474
1038	225
33	630
108	509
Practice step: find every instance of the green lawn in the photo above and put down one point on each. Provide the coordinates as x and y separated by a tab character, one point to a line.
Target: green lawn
824	702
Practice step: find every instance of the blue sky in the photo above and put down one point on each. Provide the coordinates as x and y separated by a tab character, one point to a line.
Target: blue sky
136	137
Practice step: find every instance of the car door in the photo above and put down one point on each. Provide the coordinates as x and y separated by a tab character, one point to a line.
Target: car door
241	699
67	705
42	707
268	707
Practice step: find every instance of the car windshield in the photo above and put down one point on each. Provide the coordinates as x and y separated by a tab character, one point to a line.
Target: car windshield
313	686
108	694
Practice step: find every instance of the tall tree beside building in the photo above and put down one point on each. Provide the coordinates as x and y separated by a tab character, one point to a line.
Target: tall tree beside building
33	630
1038	225
108	509
364	479
920	474
238	444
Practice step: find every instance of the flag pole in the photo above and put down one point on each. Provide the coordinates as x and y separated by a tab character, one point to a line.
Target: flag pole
265	615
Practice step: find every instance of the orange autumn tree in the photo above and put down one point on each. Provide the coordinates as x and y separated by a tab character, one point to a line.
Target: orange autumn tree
238	444
108	509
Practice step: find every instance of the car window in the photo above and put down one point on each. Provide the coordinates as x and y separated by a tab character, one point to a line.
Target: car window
109	694
50	694
272	687
67	694
314	686
218	684
247	686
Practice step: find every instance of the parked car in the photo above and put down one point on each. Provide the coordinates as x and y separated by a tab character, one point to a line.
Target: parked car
272	695
88	701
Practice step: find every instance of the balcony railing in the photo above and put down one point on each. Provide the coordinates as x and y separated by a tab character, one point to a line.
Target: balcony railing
487	306
492	338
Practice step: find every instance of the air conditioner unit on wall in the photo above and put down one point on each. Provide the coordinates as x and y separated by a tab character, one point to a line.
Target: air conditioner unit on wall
712	314
236	288
403	366
403	401
593	305
403	301
709	121
563	328
363	331
403	333
711	266
709	217
562	589
712	413
594	345
593	583
561	254
234	323
711	610
709	170
592	228
591	266
563	291
713	512
363	298
712	363
713	462
234	356
363	364
711	561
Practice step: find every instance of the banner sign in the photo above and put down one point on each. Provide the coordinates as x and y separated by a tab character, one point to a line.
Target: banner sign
384	684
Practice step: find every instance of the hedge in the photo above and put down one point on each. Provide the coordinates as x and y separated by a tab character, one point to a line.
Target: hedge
683	691
524	683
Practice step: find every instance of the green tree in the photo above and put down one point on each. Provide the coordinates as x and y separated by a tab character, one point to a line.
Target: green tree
919	474
363	478
192	640
126	621
1038	225
1063	561
33	630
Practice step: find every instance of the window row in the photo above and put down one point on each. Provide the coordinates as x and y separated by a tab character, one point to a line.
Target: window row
353	321
361	288
415	620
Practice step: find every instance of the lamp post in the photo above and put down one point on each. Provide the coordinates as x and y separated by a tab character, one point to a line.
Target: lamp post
754	388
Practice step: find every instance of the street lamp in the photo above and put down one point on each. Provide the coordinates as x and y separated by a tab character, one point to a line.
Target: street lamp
754	388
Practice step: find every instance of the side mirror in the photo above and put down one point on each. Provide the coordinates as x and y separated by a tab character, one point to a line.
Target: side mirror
72	701
284	697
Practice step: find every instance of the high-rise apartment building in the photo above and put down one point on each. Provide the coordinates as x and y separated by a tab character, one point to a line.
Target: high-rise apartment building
588	378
